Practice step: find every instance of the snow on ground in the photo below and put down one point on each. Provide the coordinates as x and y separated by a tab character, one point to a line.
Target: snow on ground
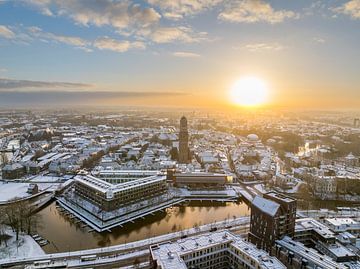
11	190
46	178
26	247
260	188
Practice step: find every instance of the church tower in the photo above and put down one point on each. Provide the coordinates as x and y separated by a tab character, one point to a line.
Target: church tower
183	141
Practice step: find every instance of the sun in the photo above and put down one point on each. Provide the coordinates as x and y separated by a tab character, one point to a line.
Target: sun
249	92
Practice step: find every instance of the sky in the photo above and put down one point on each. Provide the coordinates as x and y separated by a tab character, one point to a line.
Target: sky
179	52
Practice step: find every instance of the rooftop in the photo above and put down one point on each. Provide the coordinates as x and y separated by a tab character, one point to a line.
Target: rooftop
169	255
265	205
341	221
103	186
312	224
280	196
311	255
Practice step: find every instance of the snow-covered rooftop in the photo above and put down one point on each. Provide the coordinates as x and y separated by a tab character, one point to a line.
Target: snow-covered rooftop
170	255
265	205
103	186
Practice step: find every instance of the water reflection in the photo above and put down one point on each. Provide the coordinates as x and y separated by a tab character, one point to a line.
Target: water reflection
64	235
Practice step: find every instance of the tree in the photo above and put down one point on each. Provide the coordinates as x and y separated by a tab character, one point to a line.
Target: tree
13	216
133	158
3	236
18	215
136	263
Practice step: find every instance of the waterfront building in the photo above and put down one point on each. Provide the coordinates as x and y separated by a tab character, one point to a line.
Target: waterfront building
272	217
184	142
217	250
325	185
122	176
203	179
110	196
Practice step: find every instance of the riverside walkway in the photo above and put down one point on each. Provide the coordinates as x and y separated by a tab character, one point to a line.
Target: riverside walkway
121	255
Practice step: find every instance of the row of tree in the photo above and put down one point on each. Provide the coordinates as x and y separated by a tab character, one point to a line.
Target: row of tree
18	215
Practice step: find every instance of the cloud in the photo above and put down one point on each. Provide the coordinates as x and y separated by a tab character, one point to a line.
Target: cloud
78	98
171	34
316	8
102	43
118	14
319	40
2	70
185	54
69	40
17	84
29	34
128	19
14	35
351	8
177	9
42	5
6	32
256	47
107	43
251	11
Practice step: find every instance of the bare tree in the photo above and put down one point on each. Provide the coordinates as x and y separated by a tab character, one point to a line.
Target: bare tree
3	236
19	216
136	263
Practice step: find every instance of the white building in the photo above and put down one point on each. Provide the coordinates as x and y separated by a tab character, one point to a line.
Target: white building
298	256
339	225
209	251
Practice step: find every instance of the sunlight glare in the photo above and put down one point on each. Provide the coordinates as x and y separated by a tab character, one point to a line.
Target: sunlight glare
249	92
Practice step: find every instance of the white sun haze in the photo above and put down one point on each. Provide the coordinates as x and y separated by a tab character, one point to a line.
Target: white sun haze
249	91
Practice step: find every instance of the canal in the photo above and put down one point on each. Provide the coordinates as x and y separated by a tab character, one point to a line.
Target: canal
64	235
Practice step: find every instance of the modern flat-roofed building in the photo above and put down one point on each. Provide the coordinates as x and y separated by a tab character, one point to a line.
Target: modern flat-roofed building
339	225
311	232
272	217
316	235
295	255
122	176
110	196
201	179
218	250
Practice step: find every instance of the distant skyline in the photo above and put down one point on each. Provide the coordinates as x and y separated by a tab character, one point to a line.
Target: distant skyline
179	52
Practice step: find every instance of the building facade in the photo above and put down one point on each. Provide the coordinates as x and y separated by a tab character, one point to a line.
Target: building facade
296	256
201	179
184	156
272	217
217	250
108	196
13	171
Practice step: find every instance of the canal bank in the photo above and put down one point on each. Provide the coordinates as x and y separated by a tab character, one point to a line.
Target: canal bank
74	236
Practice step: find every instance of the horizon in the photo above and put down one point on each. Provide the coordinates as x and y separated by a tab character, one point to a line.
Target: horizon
174	54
